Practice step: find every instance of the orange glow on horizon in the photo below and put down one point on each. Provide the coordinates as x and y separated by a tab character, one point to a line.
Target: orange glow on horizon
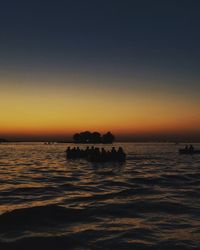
62	110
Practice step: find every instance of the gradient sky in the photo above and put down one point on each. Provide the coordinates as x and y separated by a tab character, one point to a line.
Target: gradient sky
130	67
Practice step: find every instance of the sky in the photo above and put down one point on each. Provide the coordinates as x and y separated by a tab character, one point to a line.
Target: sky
130	67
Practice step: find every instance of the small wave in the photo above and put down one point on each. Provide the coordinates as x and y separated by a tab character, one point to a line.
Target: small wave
29	190
143	207
41	243
87	240
50	215
40	216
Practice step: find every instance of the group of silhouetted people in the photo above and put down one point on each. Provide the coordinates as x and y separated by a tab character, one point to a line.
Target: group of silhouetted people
95	154
189	148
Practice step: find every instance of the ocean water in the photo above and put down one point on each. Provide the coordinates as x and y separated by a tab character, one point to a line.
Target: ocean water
150	202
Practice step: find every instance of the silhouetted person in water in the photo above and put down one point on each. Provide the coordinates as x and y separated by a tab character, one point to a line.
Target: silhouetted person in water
87	151
121	155
104	155
68	149
191	148
186	147
96	155
113	154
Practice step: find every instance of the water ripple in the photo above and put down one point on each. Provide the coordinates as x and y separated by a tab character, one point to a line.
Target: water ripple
150	202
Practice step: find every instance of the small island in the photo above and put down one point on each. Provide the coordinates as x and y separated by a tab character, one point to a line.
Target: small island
93	137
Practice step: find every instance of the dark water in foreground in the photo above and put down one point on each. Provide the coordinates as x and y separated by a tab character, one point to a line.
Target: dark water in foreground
150	202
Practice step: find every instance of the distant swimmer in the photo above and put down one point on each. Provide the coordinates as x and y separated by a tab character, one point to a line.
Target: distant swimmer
191	148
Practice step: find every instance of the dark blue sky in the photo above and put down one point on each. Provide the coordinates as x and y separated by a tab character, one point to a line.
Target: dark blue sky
152	35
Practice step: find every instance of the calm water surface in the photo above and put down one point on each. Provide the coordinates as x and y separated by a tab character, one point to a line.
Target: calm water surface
150	202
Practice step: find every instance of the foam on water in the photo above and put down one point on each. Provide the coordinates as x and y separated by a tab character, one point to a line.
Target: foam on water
150	202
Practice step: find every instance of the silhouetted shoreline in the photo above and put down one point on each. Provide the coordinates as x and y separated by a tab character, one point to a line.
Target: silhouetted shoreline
117	141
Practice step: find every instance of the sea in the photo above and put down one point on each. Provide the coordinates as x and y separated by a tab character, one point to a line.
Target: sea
152	201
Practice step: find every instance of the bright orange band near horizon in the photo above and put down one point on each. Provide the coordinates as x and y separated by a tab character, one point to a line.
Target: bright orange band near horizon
62	110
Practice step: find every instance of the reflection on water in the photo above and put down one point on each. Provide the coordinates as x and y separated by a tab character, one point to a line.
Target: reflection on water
150	202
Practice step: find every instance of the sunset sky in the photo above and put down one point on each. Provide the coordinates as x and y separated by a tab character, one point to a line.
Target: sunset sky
130	67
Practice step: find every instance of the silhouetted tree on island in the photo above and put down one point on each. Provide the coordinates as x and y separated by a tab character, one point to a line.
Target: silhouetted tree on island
96	137
93	137
77	138
108	138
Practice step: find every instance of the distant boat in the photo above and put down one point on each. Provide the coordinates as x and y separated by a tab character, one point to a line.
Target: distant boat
188	151
49	143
